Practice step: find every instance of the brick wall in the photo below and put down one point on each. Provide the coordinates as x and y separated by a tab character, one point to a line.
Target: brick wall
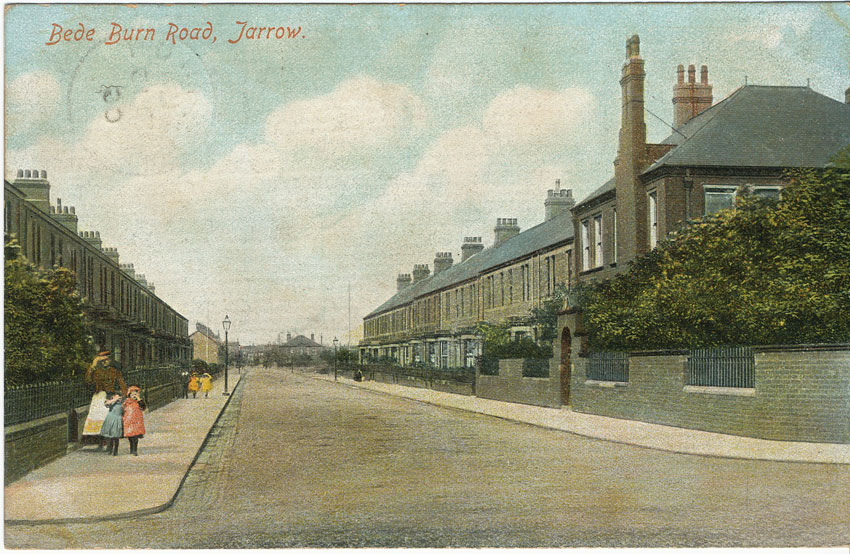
33	444
510	386
799	395
434	384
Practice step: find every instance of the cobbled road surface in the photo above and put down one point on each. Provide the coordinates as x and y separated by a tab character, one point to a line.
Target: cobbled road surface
300	462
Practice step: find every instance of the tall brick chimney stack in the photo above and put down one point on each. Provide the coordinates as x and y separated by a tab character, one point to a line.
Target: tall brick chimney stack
420	271
34	183
68	218
558	201
631	158
402	281
690	98
442	261
506	227
470	247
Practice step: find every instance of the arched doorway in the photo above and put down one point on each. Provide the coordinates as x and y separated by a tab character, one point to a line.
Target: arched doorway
566	340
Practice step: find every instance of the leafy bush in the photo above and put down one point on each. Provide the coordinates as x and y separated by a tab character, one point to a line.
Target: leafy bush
498	343
545	317
762	273
47	335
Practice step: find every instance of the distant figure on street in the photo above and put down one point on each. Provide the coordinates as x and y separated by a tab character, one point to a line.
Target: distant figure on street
206	384
358	375
184	378
113	425
193	385
134	419
106	379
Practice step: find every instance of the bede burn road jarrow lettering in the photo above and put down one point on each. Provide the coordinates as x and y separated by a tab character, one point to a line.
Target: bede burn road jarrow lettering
118	33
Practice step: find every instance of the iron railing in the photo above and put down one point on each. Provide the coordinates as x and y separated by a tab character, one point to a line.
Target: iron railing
731	366
25	403
608	366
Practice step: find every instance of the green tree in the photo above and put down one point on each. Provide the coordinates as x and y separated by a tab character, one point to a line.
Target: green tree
47	334
765	272
545	317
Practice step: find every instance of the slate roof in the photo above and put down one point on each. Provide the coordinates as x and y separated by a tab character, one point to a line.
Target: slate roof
301	340
757	126
544	235
762	126
610	184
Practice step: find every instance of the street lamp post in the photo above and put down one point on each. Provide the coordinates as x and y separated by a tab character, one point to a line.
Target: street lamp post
336	342
226	325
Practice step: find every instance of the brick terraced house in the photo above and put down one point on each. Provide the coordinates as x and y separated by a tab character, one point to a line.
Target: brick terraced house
129	318
748	139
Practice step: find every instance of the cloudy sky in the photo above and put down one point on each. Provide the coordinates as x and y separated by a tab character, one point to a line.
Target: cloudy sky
263	177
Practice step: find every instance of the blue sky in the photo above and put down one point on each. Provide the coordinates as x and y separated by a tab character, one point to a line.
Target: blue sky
261	178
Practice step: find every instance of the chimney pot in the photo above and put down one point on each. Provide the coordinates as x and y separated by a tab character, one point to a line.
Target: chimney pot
691	98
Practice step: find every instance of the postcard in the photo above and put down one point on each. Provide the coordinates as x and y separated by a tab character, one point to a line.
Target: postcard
427	275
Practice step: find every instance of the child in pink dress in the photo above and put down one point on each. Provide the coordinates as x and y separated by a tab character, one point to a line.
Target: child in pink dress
134	420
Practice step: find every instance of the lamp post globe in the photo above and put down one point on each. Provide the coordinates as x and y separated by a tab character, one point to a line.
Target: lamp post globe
226	325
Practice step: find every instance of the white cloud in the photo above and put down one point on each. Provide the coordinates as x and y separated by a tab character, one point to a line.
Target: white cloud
360	115
156	128
30	99
531	118
773	28
265	219
498	167
219	227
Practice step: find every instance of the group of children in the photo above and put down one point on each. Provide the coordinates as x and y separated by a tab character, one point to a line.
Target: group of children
202	383
124	419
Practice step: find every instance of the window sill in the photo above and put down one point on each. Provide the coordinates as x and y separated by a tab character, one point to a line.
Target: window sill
592	270
721	391
606	384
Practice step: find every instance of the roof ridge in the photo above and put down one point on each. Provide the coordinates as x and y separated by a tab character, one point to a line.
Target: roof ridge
710	114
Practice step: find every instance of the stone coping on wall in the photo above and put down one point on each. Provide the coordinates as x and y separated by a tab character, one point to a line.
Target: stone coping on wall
606	384
34	426
722	391
826	347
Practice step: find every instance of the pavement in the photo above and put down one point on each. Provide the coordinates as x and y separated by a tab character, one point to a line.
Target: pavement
90	485
637	433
